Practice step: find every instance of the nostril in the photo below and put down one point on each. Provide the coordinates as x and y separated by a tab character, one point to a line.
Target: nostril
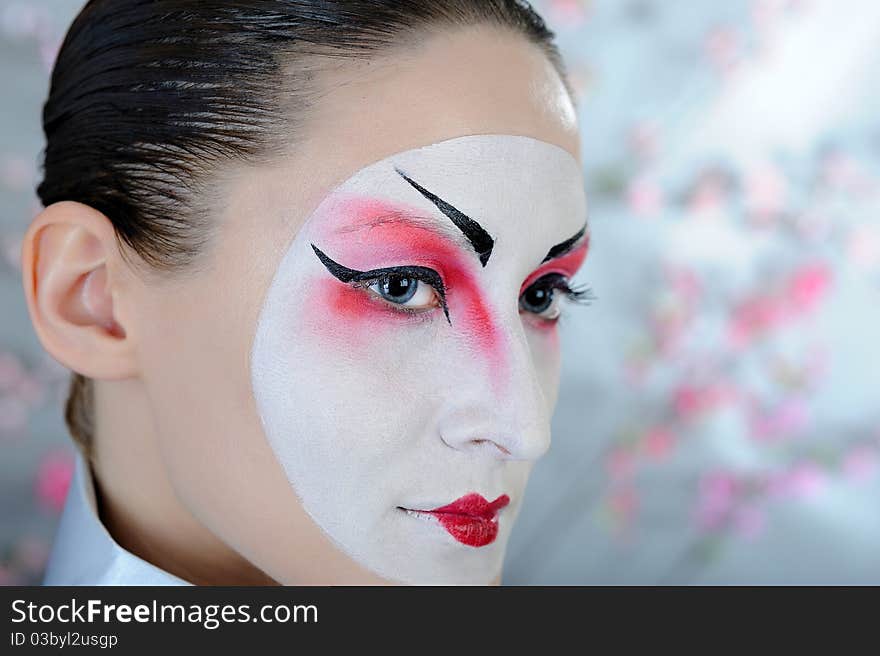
493	443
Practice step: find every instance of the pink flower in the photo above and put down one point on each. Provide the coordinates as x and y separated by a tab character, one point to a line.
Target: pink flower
864	246
749	522
49	49
52	480
643	138
13	414
31	554
30	390
861	463
645	197
722	47
658	442
766	192
717	494
16	173
8	577
692	400
568	13
11	370
789	418
688	401
10	249
624	503
755	317
807	287
803	481
620	463
686	284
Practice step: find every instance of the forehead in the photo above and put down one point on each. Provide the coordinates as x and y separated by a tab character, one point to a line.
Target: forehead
512	186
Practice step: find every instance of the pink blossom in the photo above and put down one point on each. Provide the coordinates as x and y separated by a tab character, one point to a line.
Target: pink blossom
49	49
11	370
691	400
803	481
864	246
710	192
844	172
766	191
717	493
634	371
643	140
807	287
686	284
668	324
624	503
620	463
749	522
659	442
568	13
16	173
31	554
766	14
30	390
8	577
645	197
755	317
722	46
861	463
10	250
52	480
787	419
13	414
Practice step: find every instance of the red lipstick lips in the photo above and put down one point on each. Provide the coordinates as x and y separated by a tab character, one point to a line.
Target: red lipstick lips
472	520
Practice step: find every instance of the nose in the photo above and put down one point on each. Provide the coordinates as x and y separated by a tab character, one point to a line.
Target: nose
509	421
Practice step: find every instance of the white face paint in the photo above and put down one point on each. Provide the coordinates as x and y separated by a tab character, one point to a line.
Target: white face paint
377	407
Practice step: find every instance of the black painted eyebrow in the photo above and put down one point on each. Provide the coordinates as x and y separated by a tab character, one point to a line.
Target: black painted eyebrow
480	239
565	247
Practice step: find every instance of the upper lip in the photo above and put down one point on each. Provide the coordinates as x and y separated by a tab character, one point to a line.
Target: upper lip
470	505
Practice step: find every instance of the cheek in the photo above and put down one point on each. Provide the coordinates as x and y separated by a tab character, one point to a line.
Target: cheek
547	360
351	319
341	316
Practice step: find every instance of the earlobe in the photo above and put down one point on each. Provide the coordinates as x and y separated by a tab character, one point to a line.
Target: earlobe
69	258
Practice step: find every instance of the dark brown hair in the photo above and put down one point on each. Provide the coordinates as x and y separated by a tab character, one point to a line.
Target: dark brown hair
148	98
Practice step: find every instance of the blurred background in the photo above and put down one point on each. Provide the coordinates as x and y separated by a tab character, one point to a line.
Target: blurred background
719	420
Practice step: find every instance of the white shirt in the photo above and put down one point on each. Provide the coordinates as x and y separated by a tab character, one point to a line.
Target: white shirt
84	552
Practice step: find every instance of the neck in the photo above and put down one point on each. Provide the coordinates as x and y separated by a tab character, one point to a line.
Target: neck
139	506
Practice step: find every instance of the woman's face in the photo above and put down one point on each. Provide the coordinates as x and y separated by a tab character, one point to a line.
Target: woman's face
356	383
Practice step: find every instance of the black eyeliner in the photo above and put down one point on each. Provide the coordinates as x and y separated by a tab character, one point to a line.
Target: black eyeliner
353	276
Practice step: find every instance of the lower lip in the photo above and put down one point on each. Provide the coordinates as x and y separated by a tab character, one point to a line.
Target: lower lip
470	530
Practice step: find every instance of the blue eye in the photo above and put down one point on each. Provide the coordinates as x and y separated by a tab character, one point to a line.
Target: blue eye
396	285
406	291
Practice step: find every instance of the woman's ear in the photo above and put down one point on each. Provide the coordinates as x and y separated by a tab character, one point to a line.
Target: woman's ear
70	263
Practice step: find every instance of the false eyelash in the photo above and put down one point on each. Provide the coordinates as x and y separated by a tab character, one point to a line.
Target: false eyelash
582	294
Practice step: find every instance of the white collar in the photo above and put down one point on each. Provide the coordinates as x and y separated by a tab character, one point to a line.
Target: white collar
84	553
